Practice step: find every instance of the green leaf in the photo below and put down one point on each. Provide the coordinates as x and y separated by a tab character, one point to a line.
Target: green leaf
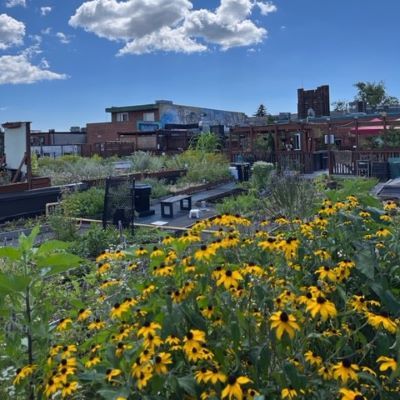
51	246
26	242
293	376
13	283
188	384
11	253
365	263
57	263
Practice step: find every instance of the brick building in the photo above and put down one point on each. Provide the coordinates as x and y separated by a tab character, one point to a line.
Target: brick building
163	115
313	103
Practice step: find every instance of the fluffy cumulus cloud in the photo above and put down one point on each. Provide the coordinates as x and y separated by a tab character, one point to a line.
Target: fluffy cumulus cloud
19	69
266	8
12	31
161	25
15	3
45	10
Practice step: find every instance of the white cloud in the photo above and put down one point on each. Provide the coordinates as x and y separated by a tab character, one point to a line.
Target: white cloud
45	10
161	25
266	8
64	39
46	31
12	31
19	69
14	3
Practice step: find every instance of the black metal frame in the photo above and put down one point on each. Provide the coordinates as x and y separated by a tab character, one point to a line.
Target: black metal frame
110	213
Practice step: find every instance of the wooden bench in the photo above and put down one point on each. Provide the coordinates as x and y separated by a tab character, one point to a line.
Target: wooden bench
169	204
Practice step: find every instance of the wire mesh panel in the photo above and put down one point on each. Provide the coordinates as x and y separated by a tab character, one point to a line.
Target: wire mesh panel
119	202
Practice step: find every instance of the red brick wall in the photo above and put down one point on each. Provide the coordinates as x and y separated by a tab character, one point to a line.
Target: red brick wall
107	131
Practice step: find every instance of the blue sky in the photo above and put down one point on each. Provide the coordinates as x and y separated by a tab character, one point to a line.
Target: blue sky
62	62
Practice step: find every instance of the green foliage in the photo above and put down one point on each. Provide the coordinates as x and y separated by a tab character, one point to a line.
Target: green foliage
95	240
145	161
291	196
243	204
201	166
206	142
360	187
25	314
159	188
85	204
261	111
261	175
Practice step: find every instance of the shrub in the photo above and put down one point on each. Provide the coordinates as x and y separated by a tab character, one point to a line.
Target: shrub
261	175
86	204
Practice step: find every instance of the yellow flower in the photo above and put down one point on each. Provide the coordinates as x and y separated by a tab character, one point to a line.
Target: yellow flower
351	394
121	347
204	253
84	314
269	244
23	372
51	387
148	328
345	370
387	363
69	388
96	325
283	322
172	340
161	361
382	320
383	232
325	372
215	376
102	268
118	310
230	279
288	393
64	324
312	358
326	273
321	306
152	341
140	252
93	360
202	375
322	254
167	240
233	389
112	373
144	376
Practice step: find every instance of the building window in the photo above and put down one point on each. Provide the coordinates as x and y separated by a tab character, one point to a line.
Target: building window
148	117
297	141
122	117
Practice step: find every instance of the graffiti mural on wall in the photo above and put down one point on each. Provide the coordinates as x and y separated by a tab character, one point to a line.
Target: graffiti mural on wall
175	114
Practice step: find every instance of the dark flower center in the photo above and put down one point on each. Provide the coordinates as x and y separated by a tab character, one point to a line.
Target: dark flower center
346	363
189	335
321	300
158	359
284	317
232	379
228	273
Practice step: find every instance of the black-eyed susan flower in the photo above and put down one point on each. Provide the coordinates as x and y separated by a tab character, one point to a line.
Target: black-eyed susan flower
161	361
312	358
348	394
51	387
345	370
382	320
97	324
201	375
326	272
141	251
119	309
149	328
230	279
289	393
121	347
144	376
23	372
83	314
92	361
112	373
64	324
321	306
233	390
325	372
69	388
283	322
387	363
383	232
204	253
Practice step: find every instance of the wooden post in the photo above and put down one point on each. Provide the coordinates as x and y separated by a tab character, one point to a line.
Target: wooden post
28	158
